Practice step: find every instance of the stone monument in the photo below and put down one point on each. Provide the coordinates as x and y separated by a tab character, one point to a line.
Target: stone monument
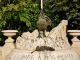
56	40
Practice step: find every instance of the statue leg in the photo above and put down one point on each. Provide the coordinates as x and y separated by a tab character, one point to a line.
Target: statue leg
44	34
39	34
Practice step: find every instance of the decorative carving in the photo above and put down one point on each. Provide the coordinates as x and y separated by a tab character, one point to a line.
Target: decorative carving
56	39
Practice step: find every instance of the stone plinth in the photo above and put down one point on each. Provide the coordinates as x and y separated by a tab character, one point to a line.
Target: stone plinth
9	46
27	46
43	55
76	46
6	50
75	40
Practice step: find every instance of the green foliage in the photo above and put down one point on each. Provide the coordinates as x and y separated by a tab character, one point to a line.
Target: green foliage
21	15
64	9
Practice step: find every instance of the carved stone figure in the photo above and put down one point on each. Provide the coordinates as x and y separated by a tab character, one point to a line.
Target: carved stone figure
53	47
55	39
42	23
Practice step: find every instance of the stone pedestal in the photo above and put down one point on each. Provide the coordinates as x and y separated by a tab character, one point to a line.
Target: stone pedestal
76	46
43	55
9	46
75	40
56	39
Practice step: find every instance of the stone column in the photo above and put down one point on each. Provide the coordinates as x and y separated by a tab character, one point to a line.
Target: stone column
76	45
7	48
75	40
9	43
0	53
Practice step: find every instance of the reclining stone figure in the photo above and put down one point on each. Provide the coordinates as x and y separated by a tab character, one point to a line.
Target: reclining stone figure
42	48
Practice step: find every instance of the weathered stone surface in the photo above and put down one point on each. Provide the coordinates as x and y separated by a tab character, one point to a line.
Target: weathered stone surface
43	55
31	45
56	39
76	46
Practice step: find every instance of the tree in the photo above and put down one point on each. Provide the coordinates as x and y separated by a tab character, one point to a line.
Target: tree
20	15
65	8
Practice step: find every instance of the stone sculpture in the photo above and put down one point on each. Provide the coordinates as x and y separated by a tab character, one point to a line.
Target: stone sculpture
56	39
56	46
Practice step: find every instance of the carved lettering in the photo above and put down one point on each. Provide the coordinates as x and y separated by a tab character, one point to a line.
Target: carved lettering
65	56
27	57
49	57
45	57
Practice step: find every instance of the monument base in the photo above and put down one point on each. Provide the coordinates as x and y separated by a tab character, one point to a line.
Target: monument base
43	55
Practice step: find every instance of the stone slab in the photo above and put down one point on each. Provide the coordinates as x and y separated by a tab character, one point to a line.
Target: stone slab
43	55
